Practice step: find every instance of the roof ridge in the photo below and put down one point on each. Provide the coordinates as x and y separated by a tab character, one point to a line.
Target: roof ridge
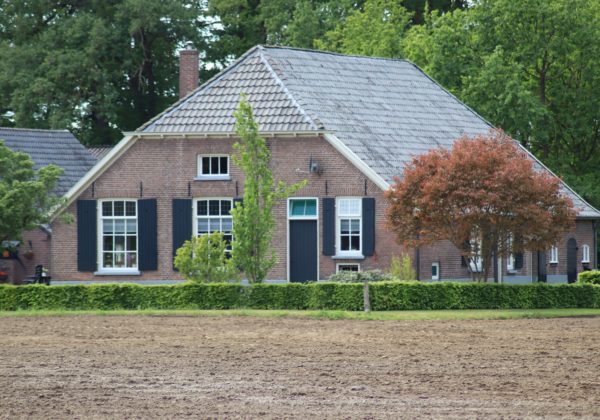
283	47
316	126
203	86
53	130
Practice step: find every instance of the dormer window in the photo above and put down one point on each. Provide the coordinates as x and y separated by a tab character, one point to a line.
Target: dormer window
213	167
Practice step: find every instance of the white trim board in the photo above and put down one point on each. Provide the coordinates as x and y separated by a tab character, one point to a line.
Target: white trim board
341	147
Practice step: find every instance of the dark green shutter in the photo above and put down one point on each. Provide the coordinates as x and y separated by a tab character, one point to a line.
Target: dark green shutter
87	237
329	226
147	235
182	222
368	226
518	260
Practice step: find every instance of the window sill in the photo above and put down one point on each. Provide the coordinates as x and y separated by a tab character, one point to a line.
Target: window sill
553	263
348	257
124	272
212	178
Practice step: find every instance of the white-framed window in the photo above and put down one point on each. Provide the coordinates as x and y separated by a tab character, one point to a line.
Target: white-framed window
118	227
302	208
349	226
347	267
435	271
214	215
554	255
213	167
510	262
585	254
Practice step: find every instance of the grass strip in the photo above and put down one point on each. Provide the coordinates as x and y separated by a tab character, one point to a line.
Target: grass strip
325	314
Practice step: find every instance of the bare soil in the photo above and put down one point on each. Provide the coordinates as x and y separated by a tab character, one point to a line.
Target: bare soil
237	367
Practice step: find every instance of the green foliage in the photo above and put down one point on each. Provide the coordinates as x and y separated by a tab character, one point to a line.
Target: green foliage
97	67
253	223
591	277
25	199
402	269
361	276
385	296
376	30
203	259
531	67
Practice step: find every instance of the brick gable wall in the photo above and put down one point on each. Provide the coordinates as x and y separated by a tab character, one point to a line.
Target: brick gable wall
165	169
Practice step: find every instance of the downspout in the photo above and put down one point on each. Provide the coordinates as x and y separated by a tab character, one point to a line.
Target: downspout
418	263
595	244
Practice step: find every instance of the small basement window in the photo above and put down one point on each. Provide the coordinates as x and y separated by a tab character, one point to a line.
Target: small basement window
435	271
348	267
213	167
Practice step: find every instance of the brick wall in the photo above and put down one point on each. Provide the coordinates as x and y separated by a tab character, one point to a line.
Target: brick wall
165	169
448	256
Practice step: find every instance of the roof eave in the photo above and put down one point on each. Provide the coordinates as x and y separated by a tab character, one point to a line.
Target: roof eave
222	134
341	147
98	169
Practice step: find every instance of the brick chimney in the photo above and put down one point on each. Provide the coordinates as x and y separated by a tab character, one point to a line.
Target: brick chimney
188	69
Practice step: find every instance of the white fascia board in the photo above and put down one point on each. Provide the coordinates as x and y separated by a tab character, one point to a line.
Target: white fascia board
98	169
356	161
224	134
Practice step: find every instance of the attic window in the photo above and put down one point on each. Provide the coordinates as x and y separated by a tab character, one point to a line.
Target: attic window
213	167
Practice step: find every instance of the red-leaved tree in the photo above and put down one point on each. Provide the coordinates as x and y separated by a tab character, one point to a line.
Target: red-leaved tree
484	196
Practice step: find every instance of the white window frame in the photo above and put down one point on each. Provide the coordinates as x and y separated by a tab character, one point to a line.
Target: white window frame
100	240
310	217
338	236
437	266
213	177
338	265
510	260
554	254
585	254
195	214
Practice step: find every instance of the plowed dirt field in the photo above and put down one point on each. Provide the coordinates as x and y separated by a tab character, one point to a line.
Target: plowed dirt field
240	367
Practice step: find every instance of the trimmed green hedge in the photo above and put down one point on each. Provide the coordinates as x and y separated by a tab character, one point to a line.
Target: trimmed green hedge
385	296
592	277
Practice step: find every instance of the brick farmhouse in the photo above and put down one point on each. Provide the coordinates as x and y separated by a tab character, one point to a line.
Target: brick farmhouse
346	124
58	147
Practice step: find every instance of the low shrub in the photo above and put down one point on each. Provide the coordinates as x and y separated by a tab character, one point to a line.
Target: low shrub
592	277
385	296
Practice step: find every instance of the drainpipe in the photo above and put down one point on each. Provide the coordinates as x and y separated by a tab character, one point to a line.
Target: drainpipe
594	241
418	262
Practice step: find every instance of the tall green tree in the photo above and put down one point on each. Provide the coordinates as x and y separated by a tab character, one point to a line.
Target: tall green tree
531	67
253	222
377	30
25	194
97	67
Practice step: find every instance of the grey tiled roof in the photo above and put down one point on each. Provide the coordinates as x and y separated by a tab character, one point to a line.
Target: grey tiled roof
386	111
98	152
59	147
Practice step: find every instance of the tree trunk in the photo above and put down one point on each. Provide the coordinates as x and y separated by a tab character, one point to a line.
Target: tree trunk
366	297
